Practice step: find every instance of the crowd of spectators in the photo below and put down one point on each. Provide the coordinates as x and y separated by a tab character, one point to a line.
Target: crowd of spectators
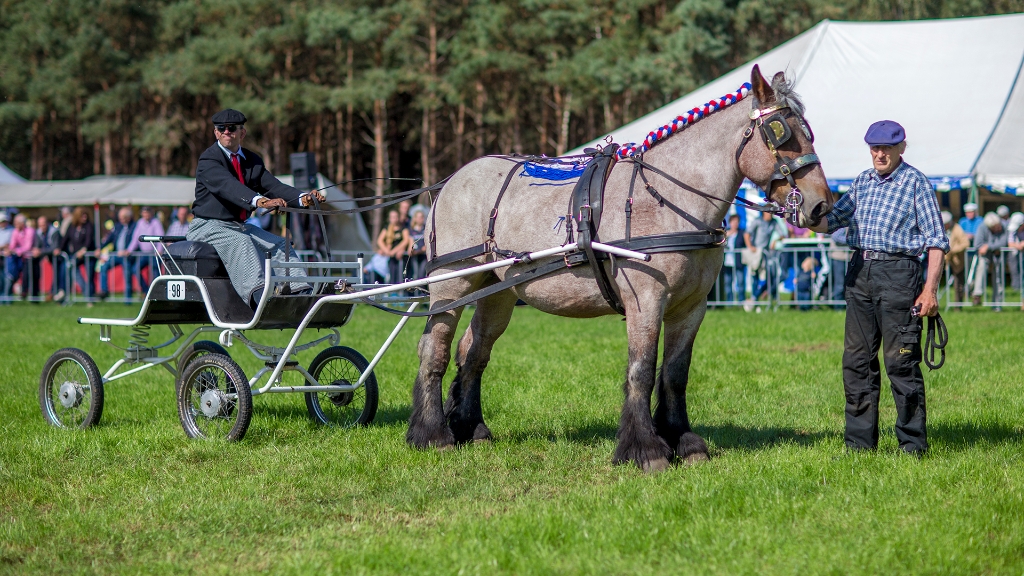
41	258
399	251
984	256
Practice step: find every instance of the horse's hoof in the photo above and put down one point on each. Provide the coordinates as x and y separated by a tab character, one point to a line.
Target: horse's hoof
439	439
695	458
655	466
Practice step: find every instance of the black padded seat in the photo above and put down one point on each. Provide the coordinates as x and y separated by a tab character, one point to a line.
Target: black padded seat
195	259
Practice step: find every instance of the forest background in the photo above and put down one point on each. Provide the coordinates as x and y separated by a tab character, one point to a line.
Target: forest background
375	88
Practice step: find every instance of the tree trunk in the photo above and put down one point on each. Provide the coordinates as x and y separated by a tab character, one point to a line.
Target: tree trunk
543	132
563	133
609	121
460	135
478	117
349	113
36	169
97	155
380	158
108	155
425	147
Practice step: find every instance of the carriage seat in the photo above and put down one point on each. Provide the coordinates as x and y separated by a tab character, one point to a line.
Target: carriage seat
194	258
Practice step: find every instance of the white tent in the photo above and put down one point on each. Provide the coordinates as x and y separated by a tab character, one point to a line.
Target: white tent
7	176
348	232
955	85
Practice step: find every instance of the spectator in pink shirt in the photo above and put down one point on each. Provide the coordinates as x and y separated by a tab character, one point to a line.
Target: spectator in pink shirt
147	225
19	248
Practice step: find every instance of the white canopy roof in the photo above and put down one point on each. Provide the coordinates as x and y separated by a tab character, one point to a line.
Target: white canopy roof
7	176
955	85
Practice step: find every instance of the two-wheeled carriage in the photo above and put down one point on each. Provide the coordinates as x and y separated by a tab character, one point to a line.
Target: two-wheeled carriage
214	395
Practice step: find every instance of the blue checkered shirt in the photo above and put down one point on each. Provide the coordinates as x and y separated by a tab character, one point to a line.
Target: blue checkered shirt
897	213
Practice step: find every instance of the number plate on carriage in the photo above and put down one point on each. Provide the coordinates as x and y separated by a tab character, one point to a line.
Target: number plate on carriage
175	290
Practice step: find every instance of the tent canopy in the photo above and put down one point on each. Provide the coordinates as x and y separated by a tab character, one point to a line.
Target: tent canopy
955	85
7	176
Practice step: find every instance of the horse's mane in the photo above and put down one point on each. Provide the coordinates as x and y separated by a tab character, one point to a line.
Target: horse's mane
786	96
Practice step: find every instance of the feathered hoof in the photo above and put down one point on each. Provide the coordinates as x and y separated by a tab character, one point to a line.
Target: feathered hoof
441	438
695	458
692	449
655	466
651	456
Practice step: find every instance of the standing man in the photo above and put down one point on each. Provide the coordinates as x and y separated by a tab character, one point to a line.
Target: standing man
147	225
231	181
120	237
990	238
180	225
970	221
893	220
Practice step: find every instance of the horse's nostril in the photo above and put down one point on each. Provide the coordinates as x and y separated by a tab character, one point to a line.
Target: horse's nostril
819	211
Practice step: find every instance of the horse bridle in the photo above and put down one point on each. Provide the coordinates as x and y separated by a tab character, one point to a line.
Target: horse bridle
775	131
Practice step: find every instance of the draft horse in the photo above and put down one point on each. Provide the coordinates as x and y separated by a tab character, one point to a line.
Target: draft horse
695	174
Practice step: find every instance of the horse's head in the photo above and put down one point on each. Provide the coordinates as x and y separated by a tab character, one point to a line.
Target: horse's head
785	166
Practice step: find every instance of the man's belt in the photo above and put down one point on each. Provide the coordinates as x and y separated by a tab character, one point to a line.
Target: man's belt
877	255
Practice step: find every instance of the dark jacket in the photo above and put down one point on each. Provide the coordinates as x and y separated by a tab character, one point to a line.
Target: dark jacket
111	238
78	237
219	194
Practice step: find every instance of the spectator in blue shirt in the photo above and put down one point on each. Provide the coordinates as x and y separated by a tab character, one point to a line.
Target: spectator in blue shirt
893	219
970	222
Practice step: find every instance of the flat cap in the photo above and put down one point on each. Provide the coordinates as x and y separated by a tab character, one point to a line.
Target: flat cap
229	116
885	133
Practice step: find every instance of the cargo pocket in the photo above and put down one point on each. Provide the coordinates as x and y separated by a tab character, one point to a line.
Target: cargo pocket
910	341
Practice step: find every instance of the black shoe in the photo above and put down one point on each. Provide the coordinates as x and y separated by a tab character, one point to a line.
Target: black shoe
103	295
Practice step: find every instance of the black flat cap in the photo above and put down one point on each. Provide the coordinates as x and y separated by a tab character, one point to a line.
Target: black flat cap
229	116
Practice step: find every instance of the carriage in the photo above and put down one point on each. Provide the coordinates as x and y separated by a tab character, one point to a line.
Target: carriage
214	395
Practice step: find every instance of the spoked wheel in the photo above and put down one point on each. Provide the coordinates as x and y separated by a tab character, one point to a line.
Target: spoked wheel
71	390
197	349
339	365
214	398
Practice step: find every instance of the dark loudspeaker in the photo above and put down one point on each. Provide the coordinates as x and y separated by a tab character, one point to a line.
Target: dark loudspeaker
304	170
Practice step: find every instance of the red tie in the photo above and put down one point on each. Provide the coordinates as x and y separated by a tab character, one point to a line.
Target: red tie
238	170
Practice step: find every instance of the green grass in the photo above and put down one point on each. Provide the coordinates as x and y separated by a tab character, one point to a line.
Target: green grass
778	496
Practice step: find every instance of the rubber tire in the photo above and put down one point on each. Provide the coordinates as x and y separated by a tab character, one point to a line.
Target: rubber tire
197	349
242	410
92	373
369	386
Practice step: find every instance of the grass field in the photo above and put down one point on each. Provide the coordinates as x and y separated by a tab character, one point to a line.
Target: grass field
779	495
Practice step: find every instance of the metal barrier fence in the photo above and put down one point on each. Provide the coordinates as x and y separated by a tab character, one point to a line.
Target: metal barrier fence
775	278
772	279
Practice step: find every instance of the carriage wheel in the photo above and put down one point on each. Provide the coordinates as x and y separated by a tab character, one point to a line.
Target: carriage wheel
342	365
197	349
71	390
214	398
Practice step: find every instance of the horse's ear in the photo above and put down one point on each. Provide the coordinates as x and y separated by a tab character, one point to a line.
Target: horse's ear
760	87
778	78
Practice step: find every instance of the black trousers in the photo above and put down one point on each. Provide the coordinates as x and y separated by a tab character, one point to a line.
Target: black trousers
879	296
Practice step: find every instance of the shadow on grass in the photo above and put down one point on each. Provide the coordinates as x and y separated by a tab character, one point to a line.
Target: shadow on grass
964	435
724	437
733	437
387	415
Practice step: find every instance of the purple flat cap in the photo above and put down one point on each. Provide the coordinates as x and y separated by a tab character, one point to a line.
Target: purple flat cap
885	133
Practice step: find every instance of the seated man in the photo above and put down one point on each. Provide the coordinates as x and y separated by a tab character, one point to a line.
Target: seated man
231	181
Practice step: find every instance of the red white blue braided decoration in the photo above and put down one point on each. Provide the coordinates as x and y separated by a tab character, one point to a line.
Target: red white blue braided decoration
680	122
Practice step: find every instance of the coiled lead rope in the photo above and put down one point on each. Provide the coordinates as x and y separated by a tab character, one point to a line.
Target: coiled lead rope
935	341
